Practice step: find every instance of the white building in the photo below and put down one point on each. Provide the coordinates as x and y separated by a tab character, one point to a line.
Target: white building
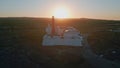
57	35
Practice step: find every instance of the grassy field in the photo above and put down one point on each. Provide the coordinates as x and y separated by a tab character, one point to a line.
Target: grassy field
21	38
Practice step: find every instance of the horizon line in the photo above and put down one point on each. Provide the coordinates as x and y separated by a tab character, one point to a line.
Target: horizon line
58	18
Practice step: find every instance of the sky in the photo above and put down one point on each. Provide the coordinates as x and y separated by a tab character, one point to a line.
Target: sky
98	9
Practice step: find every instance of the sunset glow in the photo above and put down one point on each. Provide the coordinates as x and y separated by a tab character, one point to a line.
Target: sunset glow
96	9
61	13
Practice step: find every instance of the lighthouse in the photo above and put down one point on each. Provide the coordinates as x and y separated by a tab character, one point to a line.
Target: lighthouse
53	31
61	35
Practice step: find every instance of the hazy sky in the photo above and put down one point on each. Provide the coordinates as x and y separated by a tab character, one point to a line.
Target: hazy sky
103	9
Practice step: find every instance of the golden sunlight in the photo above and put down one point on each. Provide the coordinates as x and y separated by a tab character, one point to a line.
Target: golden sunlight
61	13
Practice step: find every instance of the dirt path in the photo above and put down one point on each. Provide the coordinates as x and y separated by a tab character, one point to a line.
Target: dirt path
94	60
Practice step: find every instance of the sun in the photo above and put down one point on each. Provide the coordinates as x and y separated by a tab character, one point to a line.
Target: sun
61	13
